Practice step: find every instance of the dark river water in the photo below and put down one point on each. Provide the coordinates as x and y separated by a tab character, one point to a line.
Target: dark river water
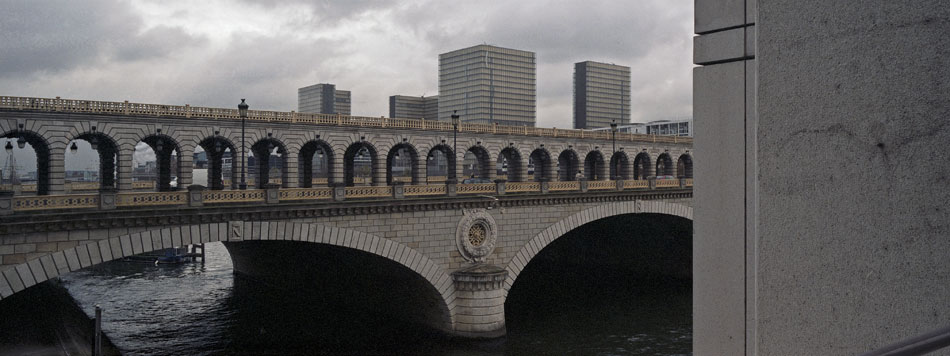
198	309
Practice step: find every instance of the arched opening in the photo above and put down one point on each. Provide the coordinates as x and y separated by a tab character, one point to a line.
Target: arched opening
641	166
477	163
567	165
628	276
619	166
214	164
684	166
157	163
594	166
27	164
90	163
402	164
316	164
539	163
268	163
508	165
664	166
440	164
358	163
345	282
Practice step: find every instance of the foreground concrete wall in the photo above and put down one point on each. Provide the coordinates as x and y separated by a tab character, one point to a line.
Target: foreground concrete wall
836	241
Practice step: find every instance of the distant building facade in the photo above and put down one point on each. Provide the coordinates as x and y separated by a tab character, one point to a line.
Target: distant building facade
414	107
674	127
601	94
487	84
636	128
323	99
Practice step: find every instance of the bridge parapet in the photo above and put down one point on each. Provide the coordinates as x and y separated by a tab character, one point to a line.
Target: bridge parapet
26	204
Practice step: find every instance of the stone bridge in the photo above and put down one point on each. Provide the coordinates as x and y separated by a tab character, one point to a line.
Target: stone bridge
453	249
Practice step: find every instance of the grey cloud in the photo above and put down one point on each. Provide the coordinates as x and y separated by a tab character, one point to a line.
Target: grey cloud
58	36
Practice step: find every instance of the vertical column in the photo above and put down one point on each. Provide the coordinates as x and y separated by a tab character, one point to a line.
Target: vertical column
336	170
185	167
422	166
57	170
291	177
379	170
723	246
125	167
480	301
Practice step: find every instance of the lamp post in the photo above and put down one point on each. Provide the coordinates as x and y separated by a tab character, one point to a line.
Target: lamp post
455	130
242	111
613	158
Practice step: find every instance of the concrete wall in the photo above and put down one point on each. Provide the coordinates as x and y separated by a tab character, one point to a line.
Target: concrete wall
833	219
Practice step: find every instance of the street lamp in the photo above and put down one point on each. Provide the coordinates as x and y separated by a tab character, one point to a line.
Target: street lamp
242	111
613	158
455	130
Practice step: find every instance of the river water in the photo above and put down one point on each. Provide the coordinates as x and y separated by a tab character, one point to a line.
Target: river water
198	309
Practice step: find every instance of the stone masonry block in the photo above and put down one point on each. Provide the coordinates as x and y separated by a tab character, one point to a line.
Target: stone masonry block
13	279
49	266
72	259
26	276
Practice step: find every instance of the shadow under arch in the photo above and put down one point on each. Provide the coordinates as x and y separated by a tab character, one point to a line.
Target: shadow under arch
482	165
263	150
509	161
568	164
541	160
40	148
619	166
434	165
594	166
214	147
43	268
684	166
394	158
664	165
537	243
641	166
353	173
163	146
323	152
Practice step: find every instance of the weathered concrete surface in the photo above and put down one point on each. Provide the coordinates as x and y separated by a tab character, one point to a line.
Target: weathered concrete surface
853	178
842	221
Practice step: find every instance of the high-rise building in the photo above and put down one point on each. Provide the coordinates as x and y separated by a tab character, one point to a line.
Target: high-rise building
414	107
488	84
323	99
601	94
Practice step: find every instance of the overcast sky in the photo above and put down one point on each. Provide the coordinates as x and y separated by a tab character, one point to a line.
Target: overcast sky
214	52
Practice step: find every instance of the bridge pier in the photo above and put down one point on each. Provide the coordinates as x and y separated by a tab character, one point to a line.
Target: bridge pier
480	301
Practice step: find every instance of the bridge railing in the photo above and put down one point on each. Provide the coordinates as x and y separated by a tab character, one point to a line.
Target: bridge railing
188	111
201	197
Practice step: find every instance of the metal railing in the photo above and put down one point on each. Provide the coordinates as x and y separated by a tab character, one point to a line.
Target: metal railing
917	345
188	111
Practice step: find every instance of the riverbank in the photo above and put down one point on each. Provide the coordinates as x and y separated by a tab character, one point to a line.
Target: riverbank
46	320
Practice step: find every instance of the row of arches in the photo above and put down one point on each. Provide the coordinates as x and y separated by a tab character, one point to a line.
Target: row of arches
362	163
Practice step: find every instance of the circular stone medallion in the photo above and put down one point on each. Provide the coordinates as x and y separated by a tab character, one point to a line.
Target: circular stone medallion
476	235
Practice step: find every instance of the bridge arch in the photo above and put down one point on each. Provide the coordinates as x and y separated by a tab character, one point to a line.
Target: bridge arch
562	227
438	155
163	146
619	165
540	159
594	166
18	140
641	166
263	149
664	165
215	147
106	149
481	164
509	162
43	268
316	160
568	164
362	171
396	159
684	166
